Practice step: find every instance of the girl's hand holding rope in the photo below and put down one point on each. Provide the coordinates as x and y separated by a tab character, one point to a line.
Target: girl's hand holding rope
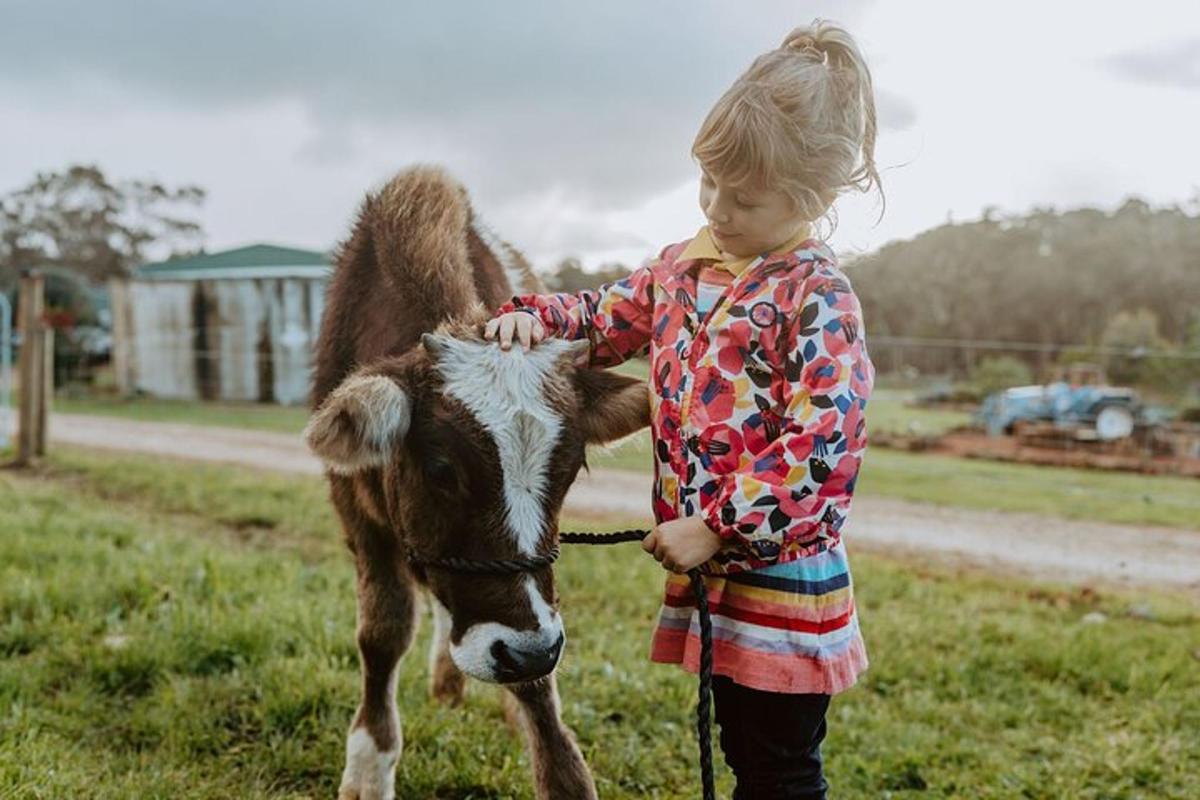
681	544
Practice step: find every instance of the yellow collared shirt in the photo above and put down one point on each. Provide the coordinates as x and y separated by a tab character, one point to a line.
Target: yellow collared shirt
703	247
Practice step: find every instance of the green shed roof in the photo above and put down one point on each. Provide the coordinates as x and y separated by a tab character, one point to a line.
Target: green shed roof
252	261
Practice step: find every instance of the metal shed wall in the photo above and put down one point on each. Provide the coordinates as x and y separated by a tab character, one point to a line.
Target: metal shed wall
236	339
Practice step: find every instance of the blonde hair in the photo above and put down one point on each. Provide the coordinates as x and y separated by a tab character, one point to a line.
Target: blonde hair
801	120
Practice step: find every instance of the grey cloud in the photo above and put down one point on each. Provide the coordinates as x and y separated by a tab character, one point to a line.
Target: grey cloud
603	98
330	147
1175	65
588	235
894	112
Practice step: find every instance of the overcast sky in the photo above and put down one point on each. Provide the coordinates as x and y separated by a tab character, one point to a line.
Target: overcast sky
571	123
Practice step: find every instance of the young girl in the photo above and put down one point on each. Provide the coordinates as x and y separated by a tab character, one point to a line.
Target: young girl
759	380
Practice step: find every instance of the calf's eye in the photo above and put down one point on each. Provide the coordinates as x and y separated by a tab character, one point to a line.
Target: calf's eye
441	474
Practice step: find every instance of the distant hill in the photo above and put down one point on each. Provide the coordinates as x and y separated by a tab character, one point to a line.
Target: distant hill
1048	277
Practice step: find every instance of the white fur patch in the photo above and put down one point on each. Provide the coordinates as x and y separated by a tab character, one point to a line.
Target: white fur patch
370	773
442	623
547	617
473	653
504	391
381	412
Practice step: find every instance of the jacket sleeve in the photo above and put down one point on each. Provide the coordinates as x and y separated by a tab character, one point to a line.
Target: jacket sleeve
791	498
615	319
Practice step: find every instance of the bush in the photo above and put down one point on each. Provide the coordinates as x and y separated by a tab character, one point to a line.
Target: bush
998	373
1135	339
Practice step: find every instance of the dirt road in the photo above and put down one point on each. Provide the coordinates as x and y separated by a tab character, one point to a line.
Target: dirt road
1063	550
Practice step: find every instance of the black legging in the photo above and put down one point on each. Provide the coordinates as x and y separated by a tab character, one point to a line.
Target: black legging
772	741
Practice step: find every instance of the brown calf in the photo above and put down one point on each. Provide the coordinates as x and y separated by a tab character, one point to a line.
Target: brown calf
437	443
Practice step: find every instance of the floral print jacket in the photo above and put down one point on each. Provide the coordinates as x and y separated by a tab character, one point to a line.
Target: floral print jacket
756	408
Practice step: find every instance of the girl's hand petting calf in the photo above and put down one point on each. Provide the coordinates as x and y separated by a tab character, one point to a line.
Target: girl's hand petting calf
528	329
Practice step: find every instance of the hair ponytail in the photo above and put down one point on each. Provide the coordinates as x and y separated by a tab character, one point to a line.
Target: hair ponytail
834	47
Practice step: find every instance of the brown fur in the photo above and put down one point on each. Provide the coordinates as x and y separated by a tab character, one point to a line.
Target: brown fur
406	252
412	472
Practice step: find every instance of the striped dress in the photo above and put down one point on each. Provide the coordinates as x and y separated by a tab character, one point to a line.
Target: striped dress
788	627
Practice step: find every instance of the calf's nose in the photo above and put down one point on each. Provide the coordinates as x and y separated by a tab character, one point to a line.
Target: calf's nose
514	664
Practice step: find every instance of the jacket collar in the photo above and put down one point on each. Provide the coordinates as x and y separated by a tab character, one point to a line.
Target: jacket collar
703	247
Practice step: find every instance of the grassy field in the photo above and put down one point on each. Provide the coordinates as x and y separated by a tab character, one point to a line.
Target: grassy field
889	412
186	631
255	416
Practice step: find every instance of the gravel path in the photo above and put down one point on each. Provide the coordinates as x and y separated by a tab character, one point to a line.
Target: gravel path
1063	550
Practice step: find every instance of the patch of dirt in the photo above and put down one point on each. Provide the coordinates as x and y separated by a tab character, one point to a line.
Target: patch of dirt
1067	454
1063	452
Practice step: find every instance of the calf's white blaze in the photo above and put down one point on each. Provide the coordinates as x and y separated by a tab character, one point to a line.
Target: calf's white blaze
505	393
442	623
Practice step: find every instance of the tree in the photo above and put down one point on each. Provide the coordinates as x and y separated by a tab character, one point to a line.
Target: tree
997	373
1049	277
1135	339
570	276
81	221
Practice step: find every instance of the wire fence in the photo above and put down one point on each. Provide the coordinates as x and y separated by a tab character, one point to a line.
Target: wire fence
7	423
1176	371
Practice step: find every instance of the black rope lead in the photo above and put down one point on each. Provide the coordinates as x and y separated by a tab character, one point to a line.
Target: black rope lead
704	701
507	566
615	537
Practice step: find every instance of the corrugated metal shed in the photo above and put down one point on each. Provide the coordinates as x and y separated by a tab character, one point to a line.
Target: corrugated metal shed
234	325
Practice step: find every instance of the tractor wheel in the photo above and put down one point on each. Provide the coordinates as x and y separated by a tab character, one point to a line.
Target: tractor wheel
1113	421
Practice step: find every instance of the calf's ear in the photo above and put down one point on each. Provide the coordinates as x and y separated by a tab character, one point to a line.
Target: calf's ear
359	424
611	405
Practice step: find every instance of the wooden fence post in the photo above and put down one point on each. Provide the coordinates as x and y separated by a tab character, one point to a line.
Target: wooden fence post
6	326
47	394
122	335
31	403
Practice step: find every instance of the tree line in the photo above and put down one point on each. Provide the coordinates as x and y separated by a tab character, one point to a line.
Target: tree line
1047	277
1119	288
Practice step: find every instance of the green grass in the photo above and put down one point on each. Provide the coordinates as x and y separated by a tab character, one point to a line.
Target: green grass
180	630
255	416
888	411
1093	495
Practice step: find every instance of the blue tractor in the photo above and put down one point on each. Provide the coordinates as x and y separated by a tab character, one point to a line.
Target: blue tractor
1079	403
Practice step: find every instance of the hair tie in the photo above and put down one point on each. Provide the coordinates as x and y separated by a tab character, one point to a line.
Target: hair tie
807	46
